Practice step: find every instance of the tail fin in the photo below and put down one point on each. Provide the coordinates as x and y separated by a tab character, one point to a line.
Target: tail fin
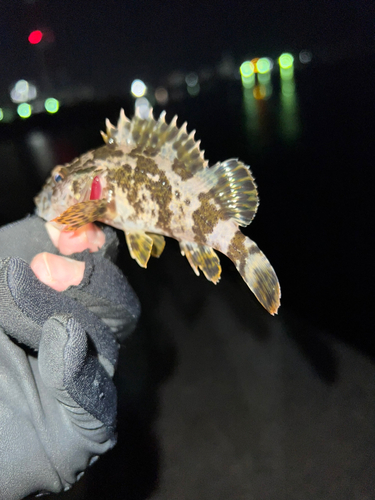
256	270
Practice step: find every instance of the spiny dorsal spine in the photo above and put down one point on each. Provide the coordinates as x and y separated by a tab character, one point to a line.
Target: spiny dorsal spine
151	137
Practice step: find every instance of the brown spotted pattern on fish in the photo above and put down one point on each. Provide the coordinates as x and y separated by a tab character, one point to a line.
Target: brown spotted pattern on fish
151	180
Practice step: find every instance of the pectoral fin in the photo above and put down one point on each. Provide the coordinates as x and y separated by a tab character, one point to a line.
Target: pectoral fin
82	213
158	244
204	258
140	246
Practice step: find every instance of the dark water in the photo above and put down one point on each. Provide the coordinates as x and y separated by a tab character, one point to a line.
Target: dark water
311	154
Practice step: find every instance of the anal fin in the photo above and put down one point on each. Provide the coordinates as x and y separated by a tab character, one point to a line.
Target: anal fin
82	213
140	246
204	258
158	244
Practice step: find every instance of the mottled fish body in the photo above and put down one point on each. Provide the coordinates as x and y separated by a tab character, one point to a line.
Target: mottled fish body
151	180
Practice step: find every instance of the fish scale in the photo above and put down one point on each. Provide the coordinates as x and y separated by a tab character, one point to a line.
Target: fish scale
151	180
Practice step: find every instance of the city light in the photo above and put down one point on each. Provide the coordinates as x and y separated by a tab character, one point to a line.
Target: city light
191	79
286	66
161	96
263	65
6	115
24	110
254	61
286	61
289	115
305	56
193	90
288	88
247	69
143	107
247	74
35	37
260	92
23	91
138	88
52	105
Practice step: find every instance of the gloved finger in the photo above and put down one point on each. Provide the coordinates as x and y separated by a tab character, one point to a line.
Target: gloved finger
26	304
105	291
115	304
74	374
29	236
56	271
24	239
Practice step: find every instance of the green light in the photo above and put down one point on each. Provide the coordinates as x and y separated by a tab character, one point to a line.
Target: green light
287	73
52	105
263	65
248	82
288	88
264	78
24	110
1	114
286	61
193	90
247	69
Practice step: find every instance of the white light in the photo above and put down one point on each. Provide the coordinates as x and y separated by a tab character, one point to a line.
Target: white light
23	91
143	106
305	56
191	79
138	88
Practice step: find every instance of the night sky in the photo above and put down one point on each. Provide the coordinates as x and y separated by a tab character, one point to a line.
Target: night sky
106	44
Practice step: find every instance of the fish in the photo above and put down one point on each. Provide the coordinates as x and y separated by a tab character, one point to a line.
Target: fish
151	180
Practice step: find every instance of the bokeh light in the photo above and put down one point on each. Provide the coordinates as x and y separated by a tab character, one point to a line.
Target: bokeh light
288	88
287	73
254	61
138	88
247	69
264	80
191	79
247	72
263	65
260	92
24	110
286	61
143	107
305	56
161	96
52	105
23	91
7	115
35	37
193	90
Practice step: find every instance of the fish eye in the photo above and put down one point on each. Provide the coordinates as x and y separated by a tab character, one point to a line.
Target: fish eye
58	178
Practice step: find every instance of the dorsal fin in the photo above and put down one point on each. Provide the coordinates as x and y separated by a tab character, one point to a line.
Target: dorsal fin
234	190
151	137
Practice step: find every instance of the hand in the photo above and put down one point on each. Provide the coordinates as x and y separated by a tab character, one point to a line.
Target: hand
58	352
61	272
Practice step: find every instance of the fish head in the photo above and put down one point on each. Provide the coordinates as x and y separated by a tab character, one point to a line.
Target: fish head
66	187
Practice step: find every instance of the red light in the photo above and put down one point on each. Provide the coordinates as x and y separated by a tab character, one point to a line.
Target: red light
35	37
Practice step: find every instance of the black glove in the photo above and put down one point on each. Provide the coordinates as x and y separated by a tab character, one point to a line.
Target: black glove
58	352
